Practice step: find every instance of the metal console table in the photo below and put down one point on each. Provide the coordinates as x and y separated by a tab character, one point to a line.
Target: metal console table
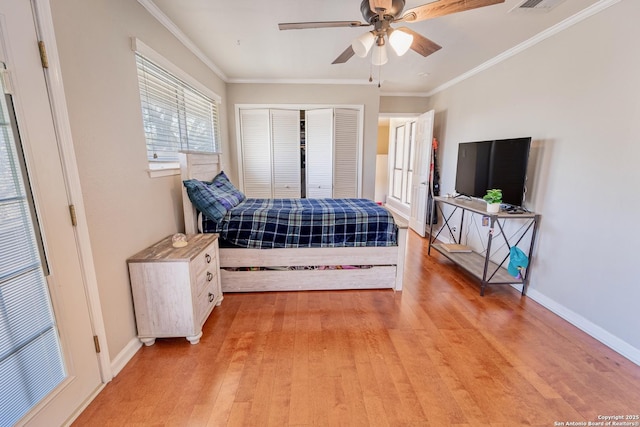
480	265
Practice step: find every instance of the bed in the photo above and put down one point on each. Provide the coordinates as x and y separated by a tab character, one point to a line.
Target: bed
296	268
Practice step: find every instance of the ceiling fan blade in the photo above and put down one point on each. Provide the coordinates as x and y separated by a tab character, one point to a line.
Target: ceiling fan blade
344	56
421	44
376	5
325	24
443	7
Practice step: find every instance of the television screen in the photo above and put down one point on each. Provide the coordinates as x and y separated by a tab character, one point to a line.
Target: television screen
493	164
473	168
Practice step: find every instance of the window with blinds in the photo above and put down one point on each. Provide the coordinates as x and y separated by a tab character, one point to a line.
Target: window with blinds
176	116
31	364
402	152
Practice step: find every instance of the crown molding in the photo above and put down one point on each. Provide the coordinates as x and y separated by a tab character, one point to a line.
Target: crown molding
163	19
411	94
305	81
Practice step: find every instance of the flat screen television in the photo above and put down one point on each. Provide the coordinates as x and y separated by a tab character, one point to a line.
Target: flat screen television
501	163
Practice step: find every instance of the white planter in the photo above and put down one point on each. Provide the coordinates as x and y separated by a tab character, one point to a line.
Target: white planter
493	207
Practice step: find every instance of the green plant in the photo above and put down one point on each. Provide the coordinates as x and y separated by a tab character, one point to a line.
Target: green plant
493	196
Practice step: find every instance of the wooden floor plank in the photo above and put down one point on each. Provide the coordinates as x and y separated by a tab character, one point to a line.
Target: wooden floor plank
435	354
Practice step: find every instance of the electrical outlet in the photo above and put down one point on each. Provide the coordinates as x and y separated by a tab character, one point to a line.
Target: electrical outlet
485	221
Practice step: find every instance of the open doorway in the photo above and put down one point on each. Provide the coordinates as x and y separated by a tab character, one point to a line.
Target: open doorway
396	137
405	187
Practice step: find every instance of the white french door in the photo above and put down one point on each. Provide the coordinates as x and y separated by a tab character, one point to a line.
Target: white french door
48	363
421	173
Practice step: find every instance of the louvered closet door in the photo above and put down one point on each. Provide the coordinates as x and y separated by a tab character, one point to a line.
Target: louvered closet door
256	153
285	146
346	153
319	156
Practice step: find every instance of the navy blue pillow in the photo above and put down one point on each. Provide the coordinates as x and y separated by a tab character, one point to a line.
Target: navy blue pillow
206	199
226	192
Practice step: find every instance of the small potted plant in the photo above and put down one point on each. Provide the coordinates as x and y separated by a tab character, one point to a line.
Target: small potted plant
493	199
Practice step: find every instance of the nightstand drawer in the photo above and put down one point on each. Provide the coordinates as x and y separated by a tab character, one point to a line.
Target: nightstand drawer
208	258
205	280
204	302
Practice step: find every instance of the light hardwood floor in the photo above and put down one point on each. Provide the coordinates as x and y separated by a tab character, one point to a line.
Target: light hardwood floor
436	354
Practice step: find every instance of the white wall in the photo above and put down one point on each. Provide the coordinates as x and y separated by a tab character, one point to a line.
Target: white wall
126	209
403	104
578	95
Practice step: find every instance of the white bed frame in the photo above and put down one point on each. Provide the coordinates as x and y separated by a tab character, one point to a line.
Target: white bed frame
387	262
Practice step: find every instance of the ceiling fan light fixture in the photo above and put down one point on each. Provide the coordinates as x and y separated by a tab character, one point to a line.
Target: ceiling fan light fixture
379	55
362	44
400	42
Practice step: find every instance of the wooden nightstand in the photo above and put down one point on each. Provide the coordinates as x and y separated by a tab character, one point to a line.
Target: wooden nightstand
175	289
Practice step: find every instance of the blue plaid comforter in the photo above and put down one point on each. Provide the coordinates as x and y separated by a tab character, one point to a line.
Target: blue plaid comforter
294	223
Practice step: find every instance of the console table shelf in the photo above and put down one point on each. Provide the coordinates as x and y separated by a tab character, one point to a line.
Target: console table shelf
479	265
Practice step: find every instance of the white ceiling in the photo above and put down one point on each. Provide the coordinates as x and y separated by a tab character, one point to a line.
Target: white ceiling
240	40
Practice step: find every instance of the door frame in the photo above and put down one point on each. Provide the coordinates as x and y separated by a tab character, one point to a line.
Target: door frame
392	203
58	103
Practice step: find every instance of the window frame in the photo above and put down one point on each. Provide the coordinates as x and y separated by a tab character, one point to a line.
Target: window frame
159	169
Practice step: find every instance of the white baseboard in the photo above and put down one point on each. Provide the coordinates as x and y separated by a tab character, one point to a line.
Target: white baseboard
84	405
613	342
397	207
117	364
125	355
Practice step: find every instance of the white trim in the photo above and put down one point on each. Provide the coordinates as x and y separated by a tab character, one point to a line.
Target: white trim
139	46
55	87
157	170
393	206
84	406
158	173
613	342
304	81
297	106
182	37
398	207
398	115
125	355
410	94
551	31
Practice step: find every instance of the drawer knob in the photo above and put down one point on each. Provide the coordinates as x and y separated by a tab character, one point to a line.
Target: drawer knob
209	276
211	297
208	258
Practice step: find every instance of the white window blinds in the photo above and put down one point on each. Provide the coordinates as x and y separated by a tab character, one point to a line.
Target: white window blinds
30	359
176	116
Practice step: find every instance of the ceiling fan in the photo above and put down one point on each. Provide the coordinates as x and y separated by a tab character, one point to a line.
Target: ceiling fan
381	14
